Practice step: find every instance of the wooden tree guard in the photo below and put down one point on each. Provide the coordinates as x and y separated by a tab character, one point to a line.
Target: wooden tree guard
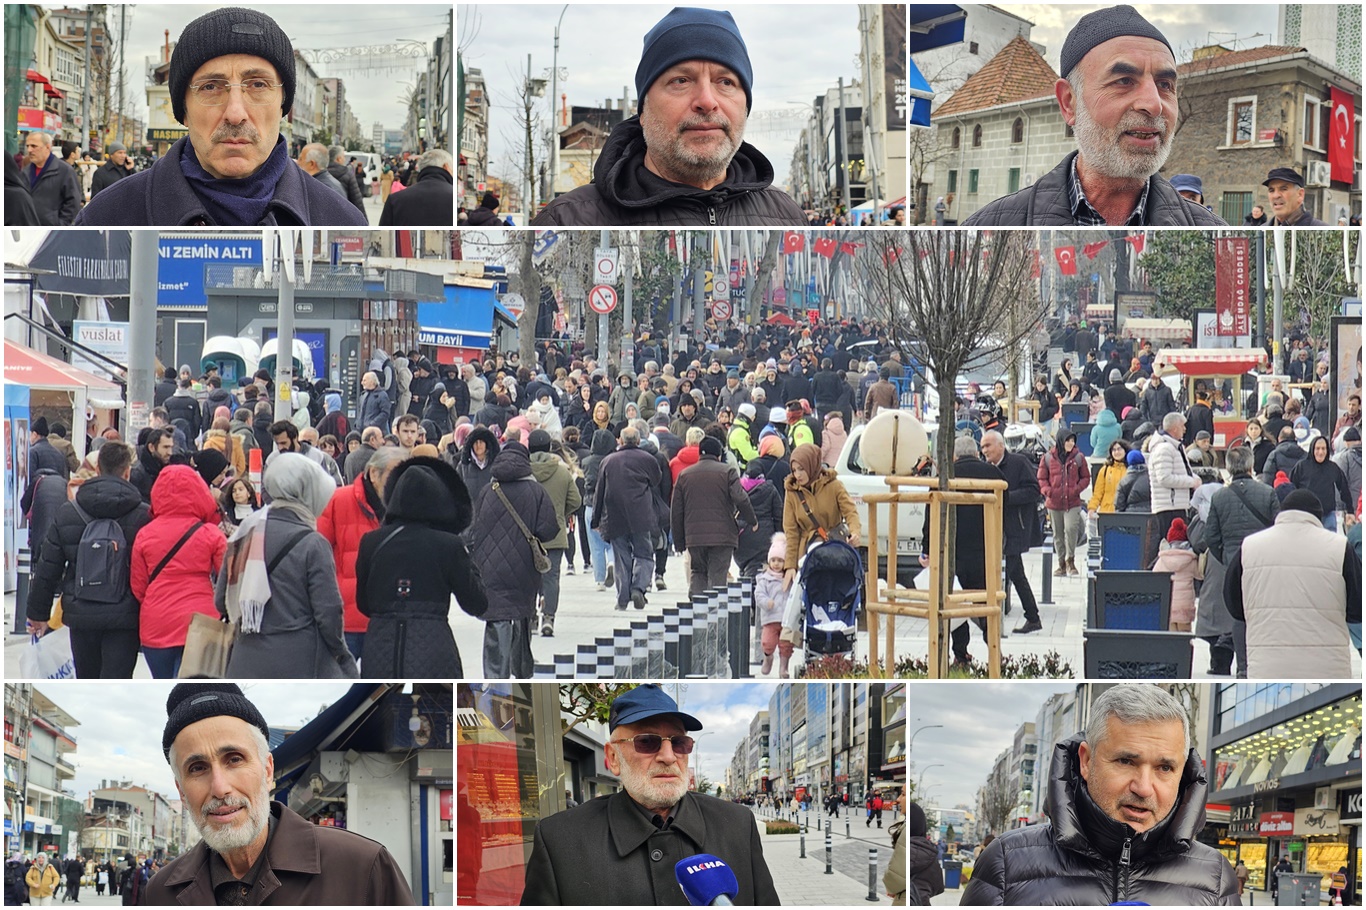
940	604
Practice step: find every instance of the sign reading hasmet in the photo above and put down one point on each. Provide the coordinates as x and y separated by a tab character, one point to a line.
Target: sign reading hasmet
165	134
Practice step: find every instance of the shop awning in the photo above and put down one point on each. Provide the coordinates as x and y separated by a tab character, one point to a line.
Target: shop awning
935	25
1157	329
39	371
1213	361
781	319
294	754
921	94
35	76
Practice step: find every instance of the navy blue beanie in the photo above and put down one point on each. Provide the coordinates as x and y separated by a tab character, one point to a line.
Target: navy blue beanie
1099	26
689	33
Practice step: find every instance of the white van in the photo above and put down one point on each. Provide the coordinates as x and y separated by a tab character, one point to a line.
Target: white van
372	163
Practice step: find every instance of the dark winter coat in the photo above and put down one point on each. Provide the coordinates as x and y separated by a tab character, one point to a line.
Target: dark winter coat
1044	203
260	428
146	468
1075	858
106	175
1135	492
604	444
19	212
43	454
374	409
482	217
1199	416
706	500
45	495
1156	403
491	415
346	176
501	550
161	196
54	567
475	477
57	196
624	193
408	569
1260	452
215	399
165	388
1325	480
1021	502
183	405
1119	396
970	534
767	502
606	852
428	203
1230	521
628	480
926	875
1282	458
1320	412
355	463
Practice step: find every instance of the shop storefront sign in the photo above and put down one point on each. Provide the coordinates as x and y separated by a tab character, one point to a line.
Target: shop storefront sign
1242	819
1311	822
1263	786
1276	824
1349	805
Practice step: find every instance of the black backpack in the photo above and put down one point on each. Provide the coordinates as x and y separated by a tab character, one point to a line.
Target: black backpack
103	558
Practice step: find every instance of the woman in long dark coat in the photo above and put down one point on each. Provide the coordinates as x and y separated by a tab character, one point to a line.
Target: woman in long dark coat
408	568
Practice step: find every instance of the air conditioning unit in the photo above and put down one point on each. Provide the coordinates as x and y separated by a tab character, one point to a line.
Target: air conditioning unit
1318	173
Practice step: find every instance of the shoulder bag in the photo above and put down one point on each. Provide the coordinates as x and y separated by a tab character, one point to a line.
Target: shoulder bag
839	532
539	557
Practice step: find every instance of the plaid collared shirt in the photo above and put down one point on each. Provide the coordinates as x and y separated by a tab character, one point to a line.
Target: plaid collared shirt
1084	214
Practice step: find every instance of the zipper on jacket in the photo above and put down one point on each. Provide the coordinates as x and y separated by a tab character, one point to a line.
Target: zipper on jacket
711	215
1122	873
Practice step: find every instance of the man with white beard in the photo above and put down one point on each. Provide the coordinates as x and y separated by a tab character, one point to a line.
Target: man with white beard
255	851
621	849
1118	93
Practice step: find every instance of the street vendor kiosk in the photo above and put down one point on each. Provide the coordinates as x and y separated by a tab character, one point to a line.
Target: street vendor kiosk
1220	370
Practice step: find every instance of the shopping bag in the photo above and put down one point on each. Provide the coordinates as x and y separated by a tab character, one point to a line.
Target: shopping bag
208	645
48	657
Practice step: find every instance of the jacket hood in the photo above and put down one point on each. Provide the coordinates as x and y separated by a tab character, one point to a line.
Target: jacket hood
179	490
429	492
332	401
262	421
484	433
604	443
513	463
544	465
688	455
1106	418
1081	826
103	496
622	178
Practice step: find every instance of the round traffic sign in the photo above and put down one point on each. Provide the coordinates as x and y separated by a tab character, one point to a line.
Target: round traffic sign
602	299
719	286
721	309
606	266
514	304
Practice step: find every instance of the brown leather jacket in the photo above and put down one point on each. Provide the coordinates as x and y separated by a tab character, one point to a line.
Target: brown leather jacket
881	394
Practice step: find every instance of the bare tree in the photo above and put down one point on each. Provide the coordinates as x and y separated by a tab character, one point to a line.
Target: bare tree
530	282
998	802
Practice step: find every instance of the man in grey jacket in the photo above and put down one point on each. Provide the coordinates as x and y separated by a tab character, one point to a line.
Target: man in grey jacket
1118	93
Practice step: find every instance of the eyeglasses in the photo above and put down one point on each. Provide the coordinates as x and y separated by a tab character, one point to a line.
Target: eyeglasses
650	743
214	92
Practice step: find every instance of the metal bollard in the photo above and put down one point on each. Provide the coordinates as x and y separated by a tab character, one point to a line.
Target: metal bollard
586	662
829	869
803	842
806	821
685	640
753	638
25	568
671	643
640	649
564	666
703	648
735	632
872	875
1046	589
722	614
604	656
846	827
621	654
654	647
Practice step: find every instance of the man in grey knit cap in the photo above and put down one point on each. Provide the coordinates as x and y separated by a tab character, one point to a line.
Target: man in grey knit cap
1118	93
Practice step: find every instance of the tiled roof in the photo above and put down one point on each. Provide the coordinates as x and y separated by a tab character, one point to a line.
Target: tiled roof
1017	73
1236	58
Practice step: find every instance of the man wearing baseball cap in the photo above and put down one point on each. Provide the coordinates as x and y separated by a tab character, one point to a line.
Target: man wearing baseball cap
1285	192
1118	93
621	849
682	160
231	81
255	851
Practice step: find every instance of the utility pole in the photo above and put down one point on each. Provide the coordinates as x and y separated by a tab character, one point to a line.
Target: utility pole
284	351
605	241
529	204
123	30
699	280
142	329
627	356
843	153
554	109
88	87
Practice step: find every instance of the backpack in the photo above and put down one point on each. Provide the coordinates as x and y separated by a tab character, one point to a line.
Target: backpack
103	558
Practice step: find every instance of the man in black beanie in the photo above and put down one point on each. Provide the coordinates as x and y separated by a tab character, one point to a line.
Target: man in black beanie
231	82
486	215
1118	93
709	508
255	851
682	160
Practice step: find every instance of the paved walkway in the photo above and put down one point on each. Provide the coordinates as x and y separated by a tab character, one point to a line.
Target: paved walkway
804	882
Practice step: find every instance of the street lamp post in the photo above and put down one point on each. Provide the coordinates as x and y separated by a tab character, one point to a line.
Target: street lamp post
921	779
554	107
911	745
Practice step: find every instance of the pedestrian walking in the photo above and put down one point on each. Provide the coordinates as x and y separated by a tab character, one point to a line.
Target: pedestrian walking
553	473
42	880
709	506
53	184
430	202
770	600
1063	476
1020	521
627	511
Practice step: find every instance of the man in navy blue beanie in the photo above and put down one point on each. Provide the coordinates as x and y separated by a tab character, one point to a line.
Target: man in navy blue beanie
683	160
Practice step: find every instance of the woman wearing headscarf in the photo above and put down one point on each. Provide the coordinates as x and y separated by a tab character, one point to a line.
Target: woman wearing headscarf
279	583
815	496
334	422
408	569
476	460
1318	474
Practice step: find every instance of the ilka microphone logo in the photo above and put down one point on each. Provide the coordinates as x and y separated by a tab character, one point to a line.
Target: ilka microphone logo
710	864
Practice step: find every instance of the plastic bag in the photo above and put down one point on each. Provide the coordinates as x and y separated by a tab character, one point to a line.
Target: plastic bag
48	657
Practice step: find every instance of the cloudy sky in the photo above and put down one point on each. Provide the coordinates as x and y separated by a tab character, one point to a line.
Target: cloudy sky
372	95
797	52
120	725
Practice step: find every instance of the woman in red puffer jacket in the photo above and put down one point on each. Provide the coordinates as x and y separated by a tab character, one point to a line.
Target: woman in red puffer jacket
1063	477
182	509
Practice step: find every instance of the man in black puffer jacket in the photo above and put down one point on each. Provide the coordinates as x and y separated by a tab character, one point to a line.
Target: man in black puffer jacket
1126	800
682	160
104	637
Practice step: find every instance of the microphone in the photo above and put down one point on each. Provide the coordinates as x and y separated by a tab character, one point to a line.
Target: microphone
706	881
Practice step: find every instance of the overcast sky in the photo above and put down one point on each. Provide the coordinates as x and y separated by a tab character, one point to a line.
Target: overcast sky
120	725
797	52
372	95
1186	25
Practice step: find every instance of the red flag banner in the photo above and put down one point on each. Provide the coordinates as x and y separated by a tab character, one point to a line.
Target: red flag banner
891	256
1067	259
1341	136
1137	241
793	242
824	246
1232	286
849	249
1092	250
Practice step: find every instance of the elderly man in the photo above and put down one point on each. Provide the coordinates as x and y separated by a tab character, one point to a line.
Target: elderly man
624	513
231	81
709	508
114	169
53	184
1021	504
1285	192
1125	803
621	849
1169	474
313	159
682	160
342	167
254	851
430	202
1118	93
375	404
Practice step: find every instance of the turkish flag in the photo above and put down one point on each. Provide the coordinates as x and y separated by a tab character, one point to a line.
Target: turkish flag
1092	250
794	242
849	249
1341	136
1067	259
1037	269
891	256
1137	241
825	246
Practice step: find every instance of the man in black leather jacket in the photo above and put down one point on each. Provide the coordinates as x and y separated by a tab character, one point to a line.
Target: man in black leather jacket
1124	811
681	160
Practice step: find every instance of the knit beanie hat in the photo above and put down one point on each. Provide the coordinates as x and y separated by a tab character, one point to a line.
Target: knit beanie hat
711	446
746	411
1100	26
489	201
1352	435
915	821
1134	457
39	426
230	30
1177	531
778	548
1281	477
538	441
209	463
688	33
1303	501
190	703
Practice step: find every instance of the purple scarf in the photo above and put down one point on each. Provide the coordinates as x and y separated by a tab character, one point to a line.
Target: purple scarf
241	202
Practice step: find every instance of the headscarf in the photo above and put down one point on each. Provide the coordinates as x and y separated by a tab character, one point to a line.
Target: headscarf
462	433
295	480
772	444
807	456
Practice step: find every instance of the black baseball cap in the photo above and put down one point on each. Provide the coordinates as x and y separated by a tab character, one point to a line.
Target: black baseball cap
644	702
1288	174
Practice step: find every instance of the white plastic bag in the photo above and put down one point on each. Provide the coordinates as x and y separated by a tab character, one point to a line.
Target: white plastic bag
49	657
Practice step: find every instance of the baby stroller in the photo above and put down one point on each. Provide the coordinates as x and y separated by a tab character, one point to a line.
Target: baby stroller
832	588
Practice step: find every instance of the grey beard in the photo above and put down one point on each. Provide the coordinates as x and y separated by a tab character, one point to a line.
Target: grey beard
1102	153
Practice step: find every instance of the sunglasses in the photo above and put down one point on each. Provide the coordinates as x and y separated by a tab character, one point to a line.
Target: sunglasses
650	743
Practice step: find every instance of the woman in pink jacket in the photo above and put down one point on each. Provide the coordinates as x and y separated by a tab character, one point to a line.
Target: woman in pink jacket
1063	477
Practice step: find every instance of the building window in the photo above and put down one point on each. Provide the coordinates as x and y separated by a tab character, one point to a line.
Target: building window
1234	207
972	180
957	137
1017	131
953	181
1311	128
977	136
1013	181
1242	120
972	47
